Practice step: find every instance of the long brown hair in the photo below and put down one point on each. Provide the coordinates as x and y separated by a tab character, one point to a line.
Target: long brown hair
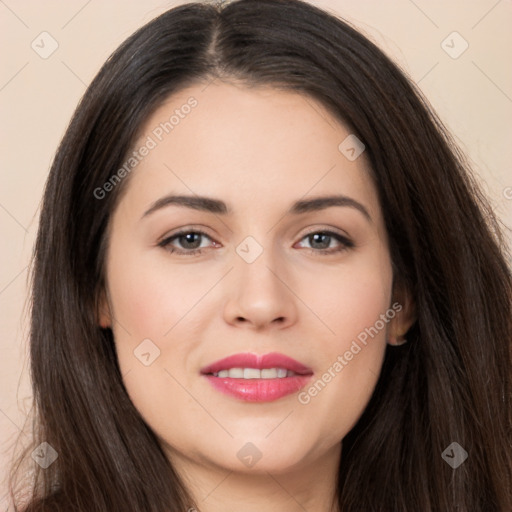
450	383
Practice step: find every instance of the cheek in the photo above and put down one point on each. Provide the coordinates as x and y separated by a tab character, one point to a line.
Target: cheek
351	298
158	311
150	303
149	297
357	311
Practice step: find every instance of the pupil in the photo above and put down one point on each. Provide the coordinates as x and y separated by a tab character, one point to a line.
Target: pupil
189	239
325	244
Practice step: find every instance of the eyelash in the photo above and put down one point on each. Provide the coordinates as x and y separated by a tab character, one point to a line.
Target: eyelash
345	243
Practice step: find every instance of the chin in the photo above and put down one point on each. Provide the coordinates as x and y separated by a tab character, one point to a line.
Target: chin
259	455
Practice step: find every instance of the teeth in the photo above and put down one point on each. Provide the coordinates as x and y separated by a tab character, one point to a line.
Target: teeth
255	373
252	373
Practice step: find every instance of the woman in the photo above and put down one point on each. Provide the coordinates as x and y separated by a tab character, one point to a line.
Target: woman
340	338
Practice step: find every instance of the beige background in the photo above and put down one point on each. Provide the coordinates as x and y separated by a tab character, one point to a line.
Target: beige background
472	93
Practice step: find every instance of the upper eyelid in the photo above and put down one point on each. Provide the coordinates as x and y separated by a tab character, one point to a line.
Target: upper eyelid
201	231
335	231
183	231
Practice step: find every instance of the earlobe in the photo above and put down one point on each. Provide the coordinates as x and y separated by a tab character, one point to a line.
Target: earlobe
404	319
103	315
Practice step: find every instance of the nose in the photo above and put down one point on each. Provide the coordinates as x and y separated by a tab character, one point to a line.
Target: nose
259	296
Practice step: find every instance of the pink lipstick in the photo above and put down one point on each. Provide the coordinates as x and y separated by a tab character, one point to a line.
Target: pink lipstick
257	378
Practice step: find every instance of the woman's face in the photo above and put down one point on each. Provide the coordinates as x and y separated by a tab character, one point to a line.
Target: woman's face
268	279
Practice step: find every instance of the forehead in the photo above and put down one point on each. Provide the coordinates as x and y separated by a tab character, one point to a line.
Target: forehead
249	146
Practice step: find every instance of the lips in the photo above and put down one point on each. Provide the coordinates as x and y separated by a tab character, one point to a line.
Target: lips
257	378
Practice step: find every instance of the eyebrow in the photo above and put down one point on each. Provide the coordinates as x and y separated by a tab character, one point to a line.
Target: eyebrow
216	206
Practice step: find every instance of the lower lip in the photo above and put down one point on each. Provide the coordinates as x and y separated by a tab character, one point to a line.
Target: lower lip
259	390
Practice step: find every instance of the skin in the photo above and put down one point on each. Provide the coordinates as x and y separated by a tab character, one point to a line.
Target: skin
259	150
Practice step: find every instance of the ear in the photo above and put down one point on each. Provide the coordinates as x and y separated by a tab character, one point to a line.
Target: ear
103	312
405	315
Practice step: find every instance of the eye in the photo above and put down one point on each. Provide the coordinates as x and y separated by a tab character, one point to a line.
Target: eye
321	240
190	241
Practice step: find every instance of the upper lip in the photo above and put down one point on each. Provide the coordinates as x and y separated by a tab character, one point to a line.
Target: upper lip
250	360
